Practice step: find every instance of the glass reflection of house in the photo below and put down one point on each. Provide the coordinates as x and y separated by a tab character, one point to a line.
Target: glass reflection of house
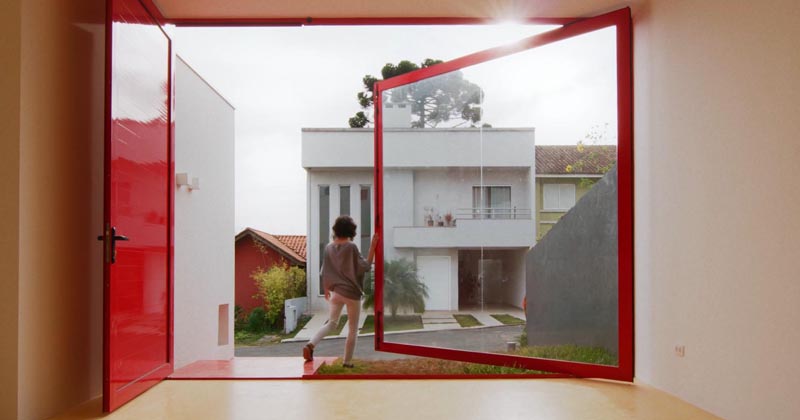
457	202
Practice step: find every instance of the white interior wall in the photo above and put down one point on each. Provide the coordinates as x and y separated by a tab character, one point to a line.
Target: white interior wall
717	99
204	219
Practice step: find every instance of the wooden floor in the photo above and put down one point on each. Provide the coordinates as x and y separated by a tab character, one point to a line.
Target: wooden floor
252	368
398	399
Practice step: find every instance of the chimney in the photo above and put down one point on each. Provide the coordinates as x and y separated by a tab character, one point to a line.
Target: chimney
396	115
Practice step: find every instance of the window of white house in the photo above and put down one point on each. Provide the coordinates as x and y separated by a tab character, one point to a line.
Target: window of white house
344	200
366	217
324	228
558	196
491	202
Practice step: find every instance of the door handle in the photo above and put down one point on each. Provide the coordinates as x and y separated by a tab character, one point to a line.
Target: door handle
110	238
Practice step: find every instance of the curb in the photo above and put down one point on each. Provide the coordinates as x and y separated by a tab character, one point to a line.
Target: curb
336	337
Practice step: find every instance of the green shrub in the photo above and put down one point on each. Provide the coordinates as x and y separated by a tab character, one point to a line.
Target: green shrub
239	318
256	321
402	287
275	286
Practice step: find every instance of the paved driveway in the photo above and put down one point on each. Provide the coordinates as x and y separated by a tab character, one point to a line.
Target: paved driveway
490	339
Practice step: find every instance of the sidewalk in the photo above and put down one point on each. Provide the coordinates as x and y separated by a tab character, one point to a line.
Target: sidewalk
431	321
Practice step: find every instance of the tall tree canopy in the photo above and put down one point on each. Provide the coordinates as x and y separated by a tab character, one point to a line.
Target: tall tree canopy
433	101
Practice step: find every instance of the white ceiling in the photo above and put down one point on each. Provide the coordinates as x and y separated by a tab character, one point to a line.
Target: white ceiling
501	9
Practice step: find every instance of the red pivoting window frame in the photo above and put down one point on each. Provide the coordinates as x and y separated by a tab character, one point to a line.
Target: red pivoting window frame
571	26
621	19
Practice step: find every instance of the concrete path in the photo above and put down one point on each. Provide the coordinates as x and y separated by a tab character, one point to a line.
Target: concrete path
439	320
318	320
491	339
431	321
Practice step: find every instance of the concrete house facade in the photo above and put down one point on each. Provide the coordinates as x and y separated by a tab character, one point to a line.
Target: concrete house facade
436	213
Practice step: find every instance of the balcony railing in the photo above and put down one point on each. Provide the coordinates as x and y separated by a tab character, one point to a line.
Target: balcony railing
469	233
478	213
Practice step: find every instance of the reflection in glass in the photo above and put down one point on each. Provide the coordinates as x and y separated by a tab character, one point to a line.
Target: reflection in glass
500	206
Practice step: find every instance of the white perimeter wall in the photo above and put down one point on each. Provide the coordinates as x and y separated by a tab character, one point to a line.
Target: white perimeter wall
717	205
204	219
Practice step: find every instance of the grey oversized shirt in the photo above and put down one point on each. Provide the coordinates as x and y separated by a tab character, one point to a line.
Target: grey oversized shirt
342	268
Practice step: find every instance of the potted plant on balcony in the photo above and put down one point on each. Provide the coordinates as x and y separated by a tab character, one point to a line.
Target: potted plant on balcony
429	216
448	219
439	220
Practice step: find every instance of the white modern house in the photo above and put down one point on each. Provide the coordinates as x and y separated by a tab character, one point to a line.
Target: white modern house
457	203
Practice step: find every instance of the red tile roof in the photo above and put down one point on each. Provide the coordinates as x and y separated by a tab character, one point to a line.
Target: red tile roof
296	242
553	160
291	246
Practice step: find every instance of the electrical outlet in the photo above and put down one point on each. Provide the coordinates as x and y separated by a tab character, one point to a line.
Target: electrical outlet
680	350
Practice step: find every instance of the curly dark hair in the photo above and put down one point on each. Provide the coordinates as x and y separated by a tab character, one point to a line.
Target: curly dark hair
344	227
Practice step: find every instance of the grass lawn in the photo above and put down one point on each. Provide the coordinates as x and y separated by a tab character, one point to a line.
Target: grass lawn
418	366
508	319
248	338
571	352
424	366
467	320
397	323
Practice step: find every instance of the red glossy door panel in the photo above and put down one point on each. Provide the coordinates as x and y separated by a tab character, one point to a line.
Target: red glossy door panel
137	179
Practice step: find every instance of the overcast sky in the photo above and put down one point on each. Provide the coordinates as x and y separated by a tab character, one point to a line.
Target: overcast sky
283	79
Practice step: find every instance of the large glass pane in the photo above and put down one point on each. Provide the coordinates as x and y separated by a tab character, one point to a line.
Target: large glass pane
477	167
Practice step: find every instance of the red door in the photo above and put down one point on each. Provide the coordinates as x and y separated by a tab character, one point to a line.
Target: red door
475	182
137	220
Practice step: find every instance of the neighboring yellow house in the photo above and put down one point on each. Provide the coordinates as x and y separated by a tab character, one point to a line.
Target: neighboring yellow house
563	175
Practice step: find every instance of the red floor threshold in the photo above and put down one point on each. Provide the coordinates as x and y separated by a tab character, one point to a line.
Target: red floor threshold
251	368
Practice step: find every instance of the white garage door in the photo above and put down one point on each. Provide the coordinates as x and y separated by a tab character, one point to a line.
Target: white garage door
435	273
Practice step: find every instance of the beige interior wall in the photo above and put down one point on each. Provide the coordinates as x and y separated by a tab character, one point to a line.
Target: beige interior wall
9	204
60	270
716	105
717	204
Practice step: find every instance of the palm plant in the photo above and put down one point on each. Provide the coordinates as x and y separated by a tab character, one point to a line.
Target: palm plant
402	287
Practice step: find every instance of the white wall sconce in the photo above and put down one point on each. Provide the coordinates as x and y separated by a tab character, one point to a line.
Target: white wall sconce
182	179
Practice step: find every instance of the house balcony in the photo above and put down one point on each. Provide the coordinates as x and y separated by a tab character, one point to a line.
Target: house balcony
473	228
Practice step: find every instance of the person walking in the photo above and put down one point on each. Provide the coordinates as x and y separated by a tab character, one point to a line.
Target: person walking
343	270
